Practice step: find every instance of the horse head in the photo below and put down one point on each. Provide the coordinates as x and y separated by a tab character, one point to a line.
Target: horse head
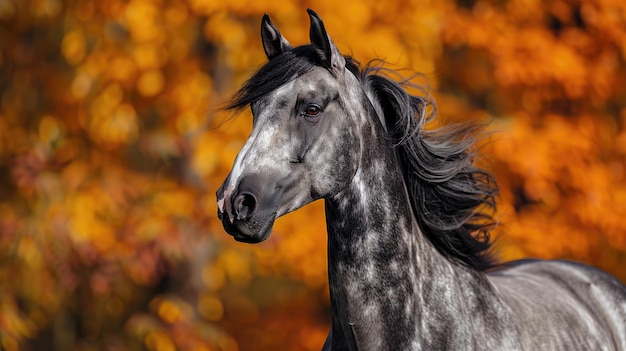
303	146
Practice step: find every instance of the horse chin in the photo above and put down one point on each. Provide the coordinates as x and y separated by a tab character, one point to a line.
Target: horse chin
253	231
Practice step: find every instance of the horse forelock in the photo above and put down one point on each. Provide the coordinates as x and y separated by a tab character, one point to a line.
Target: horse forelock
280	70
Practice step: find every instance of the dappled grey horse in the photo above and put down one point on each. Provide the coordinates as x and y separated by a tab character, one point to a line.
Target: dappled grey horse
407	212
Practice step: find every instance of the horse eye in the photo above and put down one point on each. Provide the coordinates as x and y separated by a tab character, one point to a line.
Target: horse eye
312	110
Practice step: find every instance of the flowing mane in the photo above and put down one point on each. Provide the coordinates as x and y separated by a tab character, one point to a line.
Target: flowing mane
452	199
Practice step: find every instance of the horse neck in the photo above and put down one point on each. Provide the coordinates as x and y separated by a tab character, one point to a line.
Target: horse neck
385	278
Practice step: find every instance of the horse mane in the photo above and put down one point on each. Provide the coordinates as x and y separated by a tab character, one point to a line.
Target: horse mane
452	199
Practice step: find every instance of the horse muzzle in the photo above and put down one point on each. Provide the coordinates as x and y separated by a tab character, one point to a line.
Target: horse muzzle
246	213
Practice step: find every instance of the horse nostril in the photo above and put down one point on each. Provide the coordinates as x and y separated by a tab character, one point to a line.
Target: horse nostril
244	206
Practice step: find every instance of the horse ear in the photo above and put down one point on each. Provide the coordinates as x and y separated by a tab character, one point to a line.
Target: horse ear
274	43
320	39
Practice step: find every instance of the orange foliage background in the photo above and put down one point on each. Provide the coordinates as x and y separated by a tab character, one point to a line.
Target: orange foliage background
111	152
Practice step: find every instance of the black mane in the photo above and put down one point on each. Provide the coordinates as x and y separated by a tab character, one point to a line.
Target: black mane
451	198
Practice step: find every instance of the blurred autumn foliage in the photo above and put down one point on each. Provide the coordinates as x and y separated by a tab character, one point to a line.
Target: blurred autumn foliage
112	146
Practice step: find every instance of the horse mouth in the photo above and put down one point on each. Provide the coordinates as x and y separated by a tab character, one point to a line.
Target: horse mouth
253	231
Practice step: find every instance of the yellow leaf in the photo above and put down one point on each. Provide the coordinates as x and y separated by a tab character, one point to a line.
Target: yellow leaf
211	307
73	47
151	83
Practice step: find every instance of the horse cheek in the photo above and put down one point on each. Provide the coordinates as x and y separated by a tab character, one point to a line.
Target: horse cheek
340	166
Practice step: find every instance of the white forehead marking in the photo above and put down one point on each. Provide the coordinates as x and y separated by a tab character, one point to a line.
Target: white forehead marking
285	89
311	86
238	166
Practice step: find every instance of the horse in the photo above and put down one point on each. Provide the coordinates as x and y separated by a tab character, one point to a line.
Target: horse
408	213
